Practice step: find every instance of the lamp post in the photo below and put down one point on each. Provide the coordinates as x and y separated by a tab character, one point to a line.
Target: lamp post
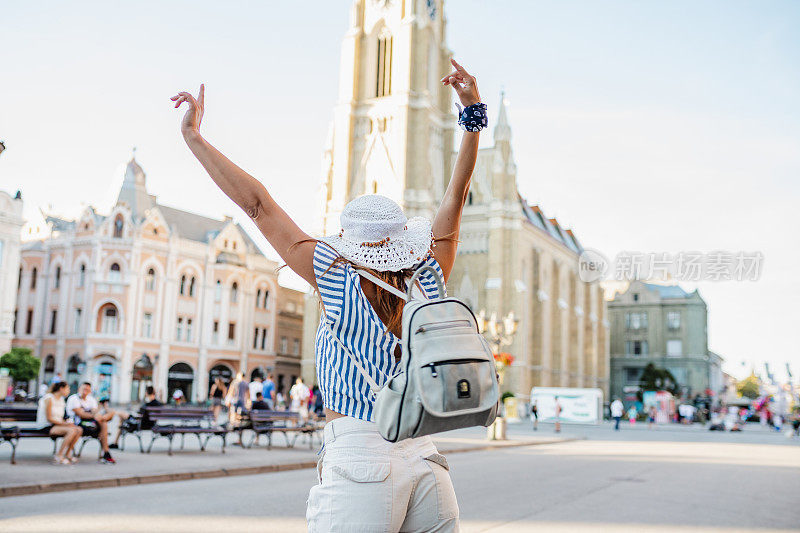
499	333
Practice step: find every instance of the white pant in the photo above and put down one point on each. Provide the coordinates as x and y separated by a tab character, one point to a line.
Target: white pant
367	484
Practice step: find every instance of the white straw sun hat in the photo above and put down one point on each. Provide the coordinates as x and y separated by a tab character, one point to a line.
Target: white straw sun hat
376	234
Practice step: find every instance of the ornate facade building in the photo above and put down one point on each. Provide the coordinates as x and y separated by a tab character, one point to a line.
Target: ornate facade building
393	133
150	294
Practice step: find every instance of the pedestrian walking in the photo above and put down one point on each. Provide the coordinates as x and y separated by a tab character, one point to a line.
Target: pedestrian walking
300	395
617	410
534	414
632	413
216	394
365	483
557	409
268	390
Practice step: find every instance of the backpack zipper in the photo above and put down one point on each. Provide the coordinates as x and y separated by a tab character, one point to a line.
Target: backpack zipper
433	366
443	325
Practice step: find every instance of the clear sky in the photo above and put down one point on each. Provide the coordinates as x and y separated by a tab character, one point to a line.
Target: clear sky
645	126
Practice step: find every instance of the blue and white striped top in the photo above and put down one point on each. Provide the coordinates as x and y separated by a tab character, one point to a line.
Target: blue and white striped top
357	325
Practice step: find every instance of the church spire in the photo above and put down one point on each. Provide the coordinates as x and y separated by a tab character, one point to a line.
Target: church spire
502	131
134	188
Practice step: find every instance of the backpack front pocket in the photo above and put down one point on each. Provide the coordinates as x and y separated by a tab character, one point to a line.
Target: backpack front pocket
457	384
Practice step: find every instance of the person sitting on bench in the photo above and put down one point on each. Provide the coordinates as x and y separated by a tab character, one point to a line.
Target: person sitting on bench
85	411
146	423
51	414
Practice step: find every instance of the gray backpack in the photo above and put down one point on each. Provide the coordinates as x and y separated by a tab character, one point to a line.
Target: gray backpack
447	379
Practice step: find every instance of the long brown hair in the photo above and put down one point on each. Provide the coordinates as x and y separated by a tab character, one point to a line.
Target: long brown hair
389	307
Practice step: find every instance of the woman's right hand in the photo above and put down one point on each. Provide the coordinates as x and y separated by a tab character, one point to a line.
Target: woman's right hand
194	115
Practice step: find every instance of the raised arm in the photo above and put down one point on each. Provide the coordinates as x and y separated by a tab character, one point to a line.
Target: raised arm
248	193
448	218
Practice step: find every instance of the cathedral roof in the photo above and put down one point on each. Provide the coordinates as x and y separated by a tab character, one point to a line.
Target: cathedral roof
198	227
134	190
535	216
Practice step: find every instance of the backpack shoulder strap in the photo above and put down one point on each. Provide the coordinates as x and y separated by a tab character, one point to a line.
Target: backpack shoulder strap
373	385
382	284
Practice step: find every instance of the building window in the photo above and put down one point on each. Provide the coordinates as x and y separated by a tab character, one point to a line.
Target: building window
215	333
76	327
57	280
231	332
19	278
82	276
383	81
296	347
53	319
182	286
218	291
674	348
264	338
284	345
636	348
109	319
234	245
266	299
179	329
255	339
188	330
150	280
234	292
258	298
114	272
674	320
14	326
635	296
147	325
636	320
632	375
34	274
29	322
118	225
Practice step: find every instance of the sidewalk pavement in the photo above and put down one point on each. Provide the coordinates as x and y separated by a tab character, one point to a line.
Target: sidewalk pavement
35	474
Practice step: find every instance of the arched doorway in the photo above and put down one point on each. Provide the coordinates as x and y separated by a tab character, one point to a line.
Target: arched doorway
75	368
224	372
105	367
48	369
141	377
180	376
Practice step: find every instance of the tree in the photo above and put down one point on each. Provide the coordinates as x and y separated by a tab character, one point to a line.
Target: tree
654	378
21	365
749	387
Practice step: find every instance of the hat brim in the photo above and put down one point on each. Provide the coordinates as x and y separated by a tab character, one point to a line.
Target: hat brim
399	253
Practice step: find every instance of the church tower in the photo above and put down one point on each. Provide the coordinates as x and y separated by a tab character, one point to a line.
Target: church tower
392	130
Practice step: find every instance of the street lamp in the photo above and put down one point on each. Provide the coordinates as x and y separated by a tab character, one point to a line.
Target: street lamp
499	333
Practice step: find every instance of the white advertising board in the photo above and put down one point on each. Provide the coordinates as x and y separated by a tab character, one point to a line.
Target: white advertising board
578	406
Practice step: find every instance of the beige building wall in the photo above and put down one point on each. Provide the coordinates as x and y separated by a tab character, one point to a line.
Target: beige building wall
10	228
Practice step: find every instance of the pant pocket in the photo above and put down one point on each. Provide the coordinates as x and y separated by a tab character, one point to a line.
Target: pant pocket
447	504
361	495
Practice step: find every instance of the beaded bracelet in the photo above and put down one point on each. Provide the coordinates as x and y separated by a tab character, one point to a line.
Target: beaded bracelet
473	118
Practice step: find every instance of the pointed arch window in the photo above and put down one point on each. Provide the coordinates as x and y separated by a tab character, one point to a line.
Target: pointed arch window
118	226
234	292
150	280
114	273
258	298
182	286
34	274
191	287
383	81
57	279
82	276
218	291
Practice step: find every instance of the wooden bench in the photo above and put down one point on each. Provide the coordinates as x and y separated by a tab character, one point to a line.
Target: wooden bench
171	421
263	422
12	434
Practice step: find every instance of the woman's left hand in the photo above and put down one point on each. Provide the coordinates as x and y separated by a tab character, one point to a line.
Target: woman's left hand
463	83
